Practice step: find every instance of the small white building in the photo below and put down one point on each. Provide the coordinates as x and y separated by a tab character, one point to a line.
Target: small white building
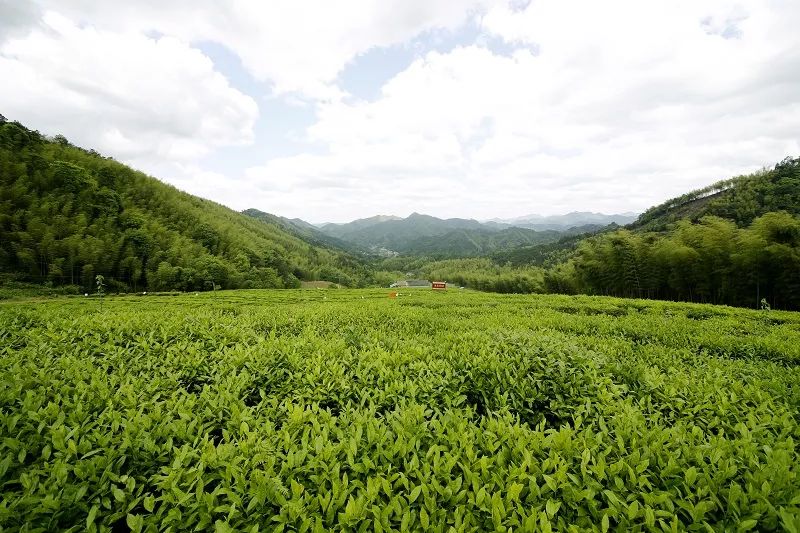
411	284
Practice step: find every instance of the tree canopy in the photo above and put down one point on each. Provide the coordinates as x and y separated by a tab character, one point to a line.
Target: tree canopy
712	261
68	214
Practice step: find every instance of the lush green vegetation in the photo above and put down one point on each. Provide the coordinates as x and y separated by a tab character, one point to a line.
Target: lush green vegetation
709	261
67	215
741	199
347	410
475	273
424	235
545	255
474	243
396	233
736	242
305	231
484	275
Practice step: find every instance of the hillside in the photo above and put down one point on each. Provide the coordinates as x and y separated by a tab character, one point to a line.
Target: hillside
551	252
396	233
303	230
735	242
424	235
68	215
480	242
475	242
344	230
740	199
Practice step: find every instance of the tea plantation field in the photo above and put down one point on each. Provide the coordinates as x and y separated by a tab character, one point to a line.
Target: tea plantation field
350	411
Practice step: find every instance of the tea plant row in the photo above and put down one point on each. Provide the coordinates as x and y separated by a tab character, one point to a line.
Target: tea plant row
350	411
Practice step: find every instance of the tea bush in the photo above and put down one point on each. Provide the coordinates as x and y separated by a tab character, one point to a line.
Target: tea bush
350	411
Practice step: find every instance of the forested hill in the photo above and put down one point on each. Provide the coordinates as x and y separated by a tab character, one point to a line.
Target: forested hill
304	231
427	236
68	214
395	233
482	242
736	242
741	199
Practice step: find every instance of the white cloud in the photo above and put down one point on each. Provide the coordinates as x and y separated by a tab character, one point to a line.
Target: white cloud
140	99
607	106
296	46
16	17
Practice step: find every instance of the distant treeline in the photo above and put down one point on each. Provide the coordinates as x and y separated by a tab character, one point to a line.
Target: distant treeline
484	275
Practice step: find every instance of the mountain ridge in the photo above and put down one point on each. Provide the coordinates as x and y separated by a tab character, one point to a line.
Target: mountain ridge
419	233
566	218
570	219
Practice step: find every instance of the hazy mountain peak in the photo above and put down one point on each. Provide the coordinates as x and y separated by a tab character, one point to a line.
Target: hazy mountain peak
567	220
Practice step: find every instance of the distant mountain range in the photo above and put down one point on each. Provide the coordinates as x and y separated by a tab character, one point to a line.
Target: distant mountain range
420	234
570	220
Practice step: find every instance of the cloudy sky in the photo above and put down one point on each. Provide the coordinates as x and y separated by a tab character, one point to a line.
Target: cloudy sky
333	110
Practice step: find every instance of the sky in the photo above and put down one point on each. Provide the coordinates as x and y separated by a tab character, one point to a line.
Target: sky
335	110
